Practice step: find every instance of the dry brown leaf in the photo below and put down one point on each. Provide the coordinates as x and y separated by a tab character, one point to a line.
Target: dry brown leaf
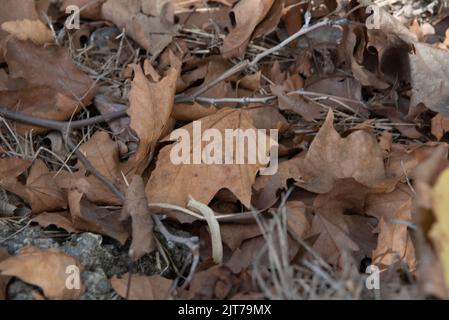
45	269
268	117
136	206
426	63
10	169
170	183
11	11
4	280
43	190
59	219
245	17
301	105
55	70
234	234
152	33
191	112
243	257
385	205
149	70
340	222
34	30
218	282
39	102
297	221
142	287
251	81
332	157
150	106
87	216
103	154
440	125
394	243
271	20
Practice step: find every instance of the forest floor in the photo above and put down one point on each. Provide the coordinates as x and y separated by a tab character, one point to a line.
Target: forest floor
360	105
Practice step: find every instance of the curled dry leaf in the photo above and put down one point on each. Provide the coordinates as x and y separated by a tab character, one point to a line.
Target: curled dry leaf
394	243
136	206
150	106
89	217
45	269
142	287
245	17
34	30
173	183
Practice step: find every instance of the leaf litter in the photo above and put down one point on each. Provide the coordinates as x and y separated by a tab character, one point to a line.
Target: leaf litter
86	139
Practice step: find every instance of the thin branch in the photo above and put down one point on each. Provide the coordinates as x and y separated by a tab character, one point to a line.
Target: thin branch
182	98
65	128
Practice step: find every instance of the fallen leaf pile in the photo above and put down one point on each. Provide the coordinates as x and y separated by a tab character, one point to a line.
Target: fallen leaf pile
361	112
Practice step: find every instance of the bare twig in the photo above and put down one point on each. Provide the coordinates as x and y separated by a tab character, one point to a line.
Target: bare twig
251	63
64	128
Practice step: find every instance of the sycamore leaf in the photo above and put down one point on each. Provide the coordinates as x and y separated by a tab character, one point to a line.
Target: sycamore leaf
45	269
332	157
173	183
